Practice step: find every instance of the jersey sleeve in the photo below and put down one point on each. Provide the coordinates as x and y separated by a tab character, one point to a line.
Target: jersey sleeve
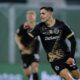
68	32
70	35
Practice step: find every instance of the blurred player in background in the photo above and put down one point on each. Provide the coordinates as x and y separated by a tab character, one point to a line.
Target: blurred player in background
53	34
29	48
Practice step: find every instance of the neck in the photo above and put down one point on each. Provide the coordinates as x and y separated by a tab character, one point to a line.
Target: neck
50	22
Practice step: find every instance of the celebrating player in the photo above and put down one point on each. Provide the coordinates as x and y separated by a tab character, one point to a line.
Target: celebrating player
53	34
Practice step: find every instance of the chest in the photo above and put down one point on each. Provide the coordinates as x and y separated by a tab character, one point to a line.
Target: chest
51	33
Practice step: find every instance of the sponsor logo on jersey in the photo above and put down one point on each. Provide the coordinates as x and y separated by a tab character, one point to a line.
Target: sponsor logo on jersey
51	37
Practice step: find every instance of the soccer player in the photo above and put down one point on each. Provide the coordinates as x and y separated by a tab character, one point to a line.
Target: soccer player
29	48
53	34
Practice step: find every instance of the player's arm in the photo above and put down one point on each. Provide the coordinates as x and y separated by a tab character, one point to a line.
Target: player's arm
34	32
73	45
18	37
70	36
18	42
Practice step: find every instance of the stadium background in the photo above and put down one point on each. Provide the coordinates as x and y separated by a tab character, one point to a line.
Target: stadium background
13	15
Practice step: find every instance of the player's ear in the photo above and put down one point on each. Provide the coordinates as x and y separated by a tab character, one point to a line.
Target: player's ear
51	13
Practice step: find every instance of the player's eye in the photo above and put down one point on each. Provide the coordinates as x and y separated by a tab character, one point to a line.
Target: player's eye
42	13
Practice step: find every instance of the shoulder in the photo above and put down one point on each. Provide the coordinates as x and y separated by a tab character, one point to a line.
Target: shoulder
40	24
21	26
24	26
60	22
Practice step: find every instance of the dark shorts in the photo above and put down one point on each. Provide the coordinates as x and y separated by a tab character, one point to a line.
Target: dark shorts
59	65
27	60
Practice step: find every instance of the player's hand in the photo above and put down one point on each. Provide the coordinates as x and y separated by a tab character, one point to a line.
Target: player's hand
70	61
25	50
26	25
21	47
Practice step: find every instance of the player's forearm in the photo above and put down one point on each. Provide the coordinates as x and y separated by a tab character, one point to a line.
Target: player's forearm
73	46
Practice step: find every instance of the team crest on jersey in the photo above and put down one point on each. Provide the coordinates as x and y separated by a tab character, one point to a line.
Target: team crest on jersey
56	31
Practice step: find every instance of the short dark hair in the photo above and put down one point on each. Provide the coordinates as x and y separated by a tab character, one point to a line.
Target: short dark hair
47	8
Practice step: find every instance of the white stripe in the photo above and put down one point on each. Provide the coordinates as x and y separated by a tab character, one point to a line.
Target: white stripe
70	35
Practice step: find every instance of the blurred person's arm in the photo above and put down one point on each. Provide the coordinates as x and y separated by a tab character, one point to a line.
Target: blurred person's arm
18	42
35	32
18	37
